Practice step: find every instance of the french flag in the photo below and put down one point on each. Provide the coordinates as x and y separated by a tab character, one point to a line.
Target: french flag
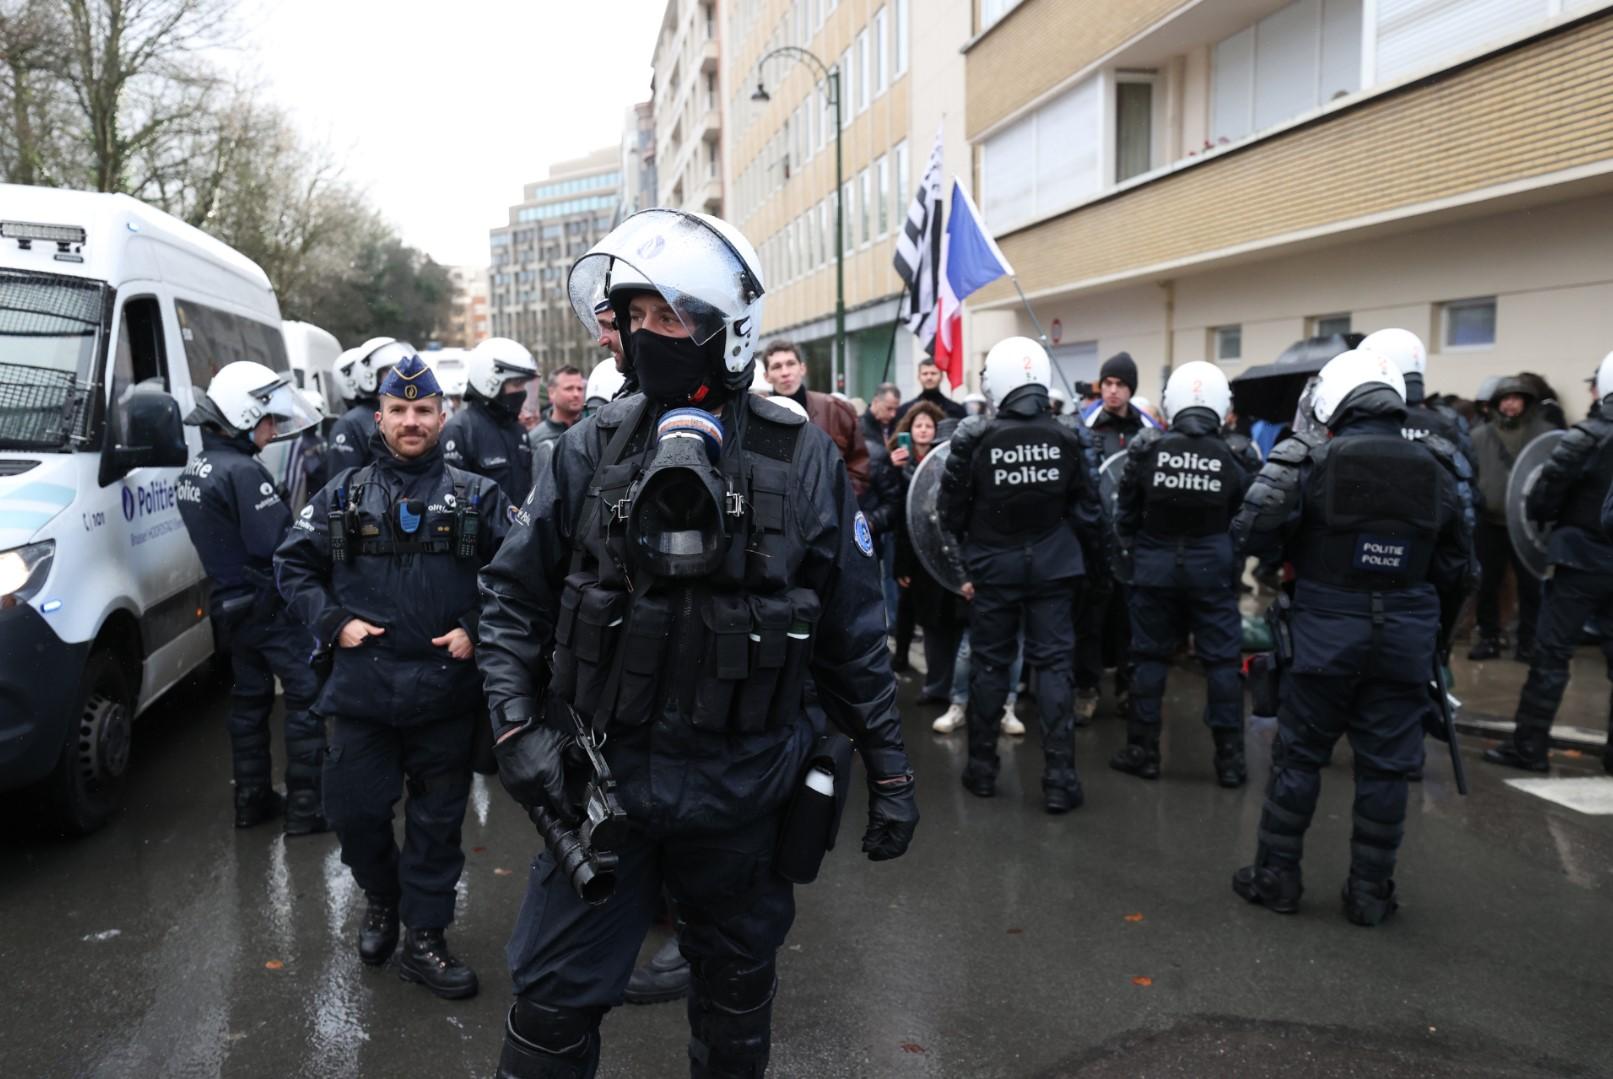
970	260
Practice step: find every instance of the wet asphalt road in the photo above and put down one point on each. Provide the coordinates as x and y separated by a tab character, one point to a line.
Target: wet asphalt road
1006	943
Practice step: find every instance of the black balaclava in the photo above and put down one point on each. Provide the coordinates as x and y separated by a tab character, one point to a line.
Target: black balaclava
672	371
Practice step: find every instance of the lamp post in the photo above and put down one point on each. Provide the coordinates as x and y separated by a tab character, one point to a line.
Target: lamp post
831	90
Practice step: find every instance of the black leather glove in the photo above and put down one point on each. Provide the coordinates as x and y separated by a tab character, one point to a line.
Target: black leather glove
531	768
893	813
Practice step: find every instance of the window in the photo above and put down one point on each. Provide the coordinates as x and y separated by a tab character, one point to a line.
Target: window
1297	58
213	338
848	99
993	10
1044	162
826	217
1330	325
1413	33
864	75
140	353
865	183
1468	323
1134	127
881	53
883	168
1227	343
901	38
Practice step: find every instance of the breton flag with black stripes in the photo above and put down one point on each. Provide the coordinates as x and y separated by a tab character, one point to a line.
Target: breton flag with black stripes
918	252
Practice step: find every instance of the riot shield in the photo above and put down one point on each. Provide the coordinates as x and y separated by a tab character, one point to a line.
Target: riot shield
1109	482
939	550
1529	539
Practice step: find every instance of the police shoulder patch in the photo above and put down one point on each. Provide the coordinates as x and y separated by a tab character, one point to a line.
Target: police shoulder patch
863	534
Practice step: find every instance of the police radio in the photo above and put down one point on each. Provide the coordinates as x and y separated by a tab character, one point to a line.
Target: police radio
336	520
466	524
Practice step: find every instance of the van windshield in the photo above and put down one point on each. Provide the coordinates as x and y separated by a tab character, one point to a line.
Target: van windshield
51	330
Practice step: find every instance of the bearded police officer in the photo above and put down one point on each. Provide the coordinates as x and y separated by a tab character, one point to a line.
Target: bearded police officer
1383	557
236	516
381	565
1021	491
1569	495
683	551
361	371
486	436
1178	492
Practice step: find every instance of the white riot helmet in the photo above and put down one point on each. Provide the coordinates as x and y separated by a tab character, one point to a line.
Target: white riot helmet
604	382
790	403
1348	372
1405	348
1604	378
338	376
493	363
1198	385
368	363
975	404
703	267
242	393
1012	363
1058	399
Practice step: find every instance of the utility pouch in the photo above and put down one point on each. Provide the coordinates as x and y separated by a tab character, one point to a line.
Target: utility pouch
639	666
229	615
768	495
770	620
812	819
787	699
585	637
726	665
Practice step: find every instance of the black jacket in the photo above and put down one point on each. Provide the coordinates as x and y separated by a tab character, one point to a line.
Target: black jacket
400	677
349	443
672	775
235	514
542	439
1079	547
482	439
940	400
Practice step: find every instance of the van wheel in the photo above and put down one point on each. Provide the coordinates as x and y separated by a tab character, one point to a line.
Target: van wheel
87	785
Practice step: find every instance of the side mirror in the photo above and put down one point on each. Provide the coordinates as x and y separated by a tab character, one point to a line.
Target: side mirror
146	432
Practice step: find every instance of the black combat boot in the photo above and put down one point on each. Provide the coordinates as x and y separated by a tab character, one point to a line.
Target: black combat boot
1230	769
1274	887
304	815
1138	757
378	936
255	804
665	977
980	778
1485	648
1369	902
1061	788
427	960
1526	750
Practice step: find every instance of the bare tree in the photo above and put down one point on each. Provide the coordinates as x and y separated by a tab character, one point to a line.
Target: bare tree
36	123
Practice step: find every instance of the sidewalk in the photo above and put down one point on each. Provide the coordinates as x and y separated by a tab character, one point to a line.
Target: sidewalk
1489	695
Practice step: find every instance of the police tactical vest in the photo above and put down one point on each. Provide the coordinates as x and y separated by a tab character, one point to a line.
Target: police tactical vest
729	651
446	523
1024	473
1582	508
1371	514
1188	486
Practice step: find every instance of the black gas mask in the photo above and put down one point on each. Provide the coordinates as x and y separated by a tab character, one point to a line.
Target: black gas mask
678	526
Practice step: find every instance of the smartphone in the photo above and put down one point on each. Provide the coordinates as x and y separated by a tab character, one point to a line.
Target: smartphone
905	441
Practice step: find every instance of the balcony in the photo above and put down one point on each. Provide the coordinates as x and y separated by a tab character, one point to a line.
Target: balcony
709	58
711	125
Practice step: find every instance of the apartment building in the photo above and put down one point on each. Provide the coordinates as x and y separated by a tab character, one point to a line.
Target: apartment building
557	219
901	79
468	319
687	105
1214	180
638	159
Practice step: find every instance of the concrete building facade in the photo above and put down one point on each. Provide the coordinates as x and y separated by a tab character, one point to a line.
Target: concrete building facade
1215	180
687	103
638	159
557	220
901	76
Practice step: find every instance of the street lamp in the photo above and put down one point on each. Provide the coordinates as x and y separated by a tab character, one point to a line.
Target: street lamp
831	90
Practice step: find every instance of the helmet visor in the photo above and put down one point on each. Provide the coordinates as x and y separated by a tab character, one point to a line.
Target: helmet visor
685	260
285	405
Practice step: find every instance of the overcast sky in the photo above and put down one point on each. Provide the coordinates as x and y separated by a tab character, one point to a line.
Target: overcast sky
441	111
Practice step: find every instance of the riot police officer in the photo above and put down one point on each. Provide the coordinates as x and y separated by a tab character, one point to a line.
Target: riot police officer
683	551
486	436
236	516
1407	351
381	565
1569	494
1383	557
360	372
1178	491
1021	491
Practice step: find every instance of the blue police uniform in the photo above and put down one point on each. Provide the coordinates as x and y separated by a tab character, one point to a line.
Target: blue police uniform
700	684
1382	552
1178	492
1021	489
397	543
236	517
350	437
485	438
1572	494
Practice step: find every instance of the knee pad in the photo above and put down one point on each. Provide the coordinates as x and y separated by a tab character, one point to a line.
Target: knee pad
554	1030
1365	770
731	1021
1283	756
735	987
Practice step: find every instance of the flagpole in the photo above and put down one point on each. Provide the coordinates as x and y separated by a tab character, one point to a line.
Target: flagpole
890	351
1075	402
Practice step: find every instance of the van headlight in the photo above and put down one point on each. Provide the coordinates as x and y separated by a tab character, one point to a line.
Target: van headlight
23	571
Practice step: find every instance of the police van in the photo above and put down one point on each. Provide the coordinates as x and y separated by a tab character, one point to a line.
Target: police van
113	316
312	353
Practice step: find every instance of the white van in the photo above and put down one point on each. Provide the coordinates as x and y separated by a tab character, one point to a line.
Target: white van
312	353
103	605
